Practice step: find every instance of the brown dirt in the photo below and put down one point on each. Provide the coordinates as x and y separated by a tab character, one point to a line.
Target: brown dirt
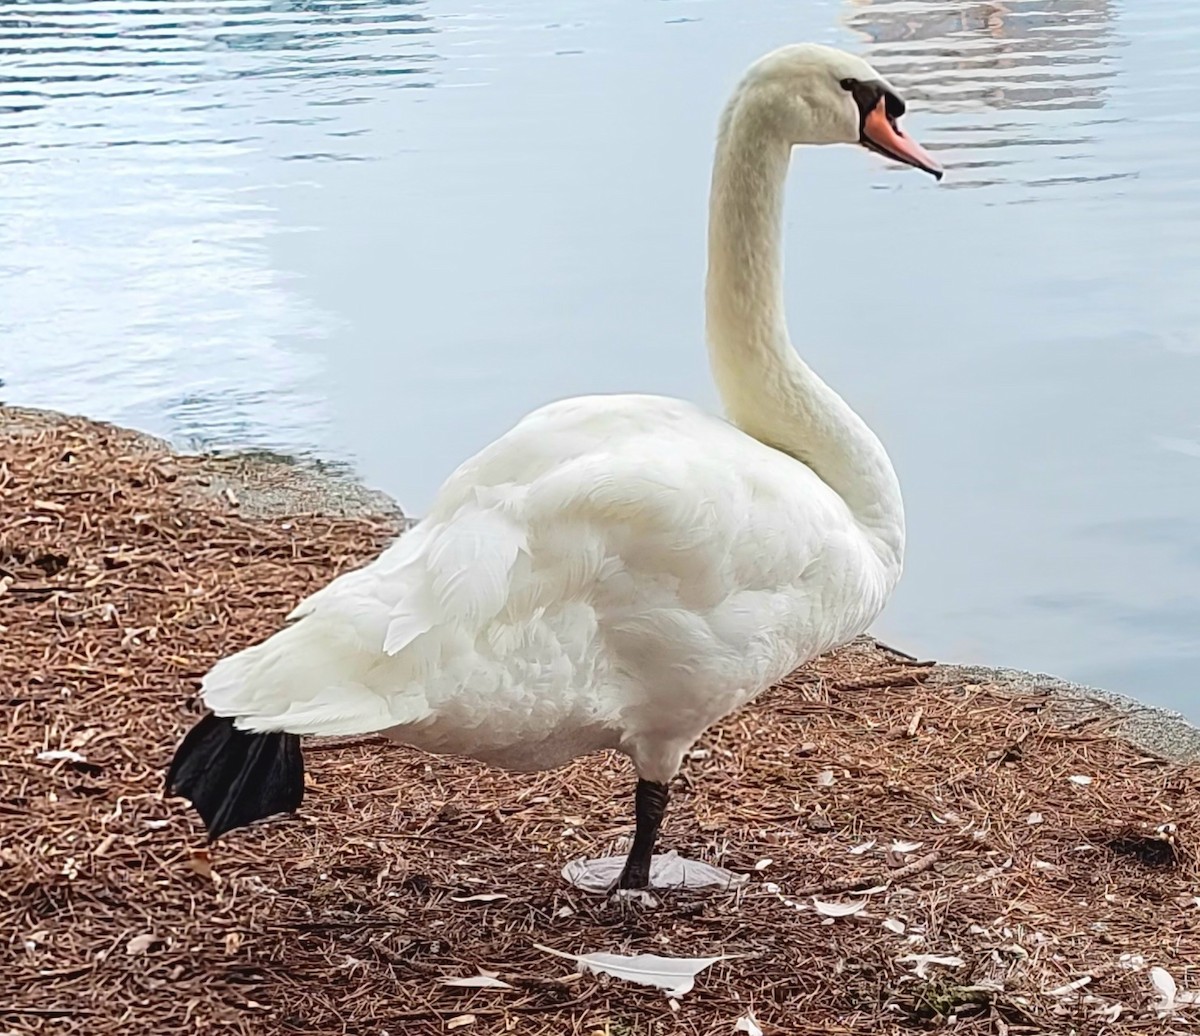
121	587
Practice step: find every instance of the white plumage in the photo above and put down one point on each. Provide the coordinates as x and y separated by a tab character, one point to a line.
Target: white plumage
621	571
616	571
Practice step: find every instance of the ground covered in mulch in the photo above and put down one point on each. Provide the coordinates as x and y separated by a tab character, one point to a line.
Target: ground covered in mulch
991	865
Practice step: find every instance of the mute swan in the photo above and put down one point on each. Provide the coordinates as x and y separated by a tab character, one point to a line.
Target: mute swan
615	571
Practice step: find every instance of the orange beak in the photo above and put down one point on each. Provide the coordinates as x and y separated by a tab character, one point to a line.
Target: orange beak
880	133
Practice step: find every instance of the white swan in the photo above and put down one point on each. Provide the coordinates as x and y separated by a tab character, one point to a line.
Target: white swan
615	571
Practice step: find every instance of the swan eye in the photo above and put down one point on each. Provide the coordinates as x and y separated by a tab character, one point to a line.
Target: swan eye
868	95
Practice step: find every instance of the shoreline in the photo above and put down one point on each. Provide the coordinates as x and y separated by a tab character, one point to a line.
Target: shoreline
258	484
261	485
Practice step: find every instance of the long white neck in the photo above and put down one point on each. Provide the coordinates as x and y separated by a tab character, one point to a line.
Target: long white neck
767	390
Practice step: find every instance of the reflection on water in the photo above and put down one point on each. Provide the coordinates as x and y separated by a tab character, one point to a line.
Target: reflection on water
135	139
1012	54
330	226
969	62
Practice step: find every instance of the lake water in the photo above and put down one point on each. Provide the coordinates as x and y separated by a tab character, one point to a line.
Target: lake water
379	232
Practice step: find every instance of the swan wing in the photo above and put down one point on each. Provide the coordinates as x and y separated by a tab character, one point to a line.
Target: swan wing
605	552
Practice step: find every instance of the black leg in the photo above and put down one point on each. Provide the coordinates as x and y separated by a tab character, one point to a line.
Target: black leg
650	803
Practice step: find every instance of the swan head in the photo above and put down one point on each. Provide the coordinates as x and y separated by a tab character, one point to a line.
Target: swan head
812	94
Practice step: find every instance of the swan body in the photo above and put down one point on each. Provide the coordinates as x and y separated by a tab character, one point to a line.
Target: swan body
622	571
615	572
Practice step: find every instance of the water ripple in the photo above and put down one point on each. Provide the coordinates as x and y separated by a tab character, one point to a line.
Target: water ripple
1010	76
135	128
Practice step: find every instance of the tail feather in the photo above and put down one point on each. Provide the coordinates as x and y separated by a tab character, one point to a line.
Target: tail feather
233	777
